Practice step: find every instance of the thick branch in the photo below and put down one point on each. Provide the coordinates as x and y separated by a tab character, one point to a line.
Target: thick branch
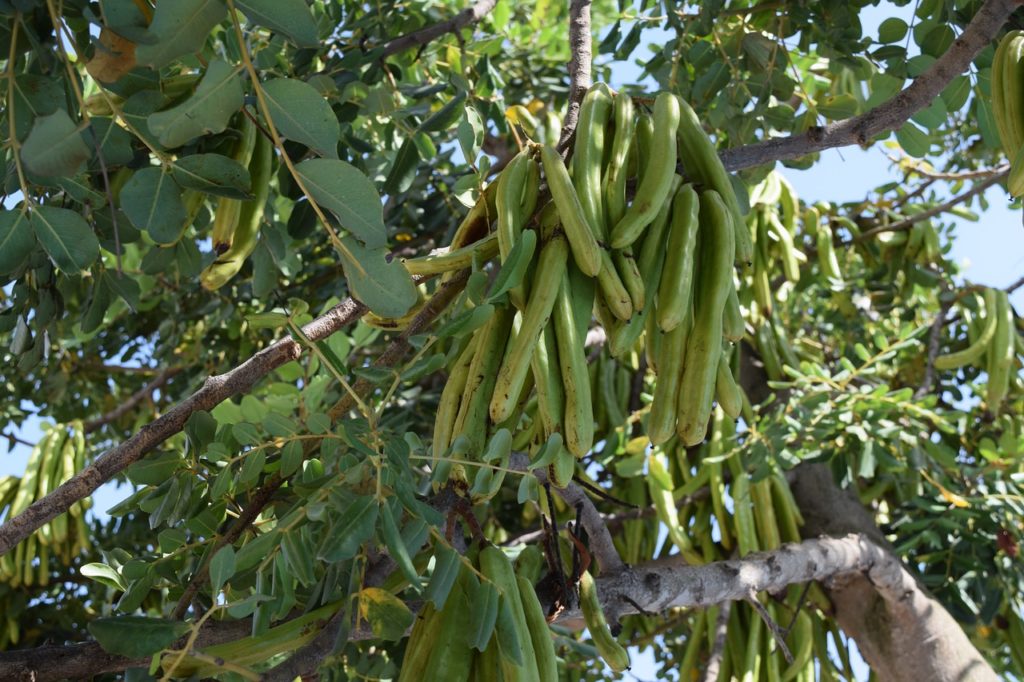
902	631
579	66
132	401
215	390
889	115
422	36
663	585
88	659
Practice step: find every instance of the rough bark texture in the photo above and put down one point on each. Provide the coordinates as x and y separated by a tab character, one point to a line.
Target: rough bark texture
891	114
904	635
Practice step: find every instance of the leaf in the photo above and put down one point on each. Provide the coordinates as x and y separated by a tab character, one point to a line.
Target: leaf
342	189
470	133
354	526
445	117
214	174
180	28
383	285
290	17
447	564
16	240
403	168
103	574
388	615
300	113
892	30
914	141
114	56
218	96
136	636
838	107
54	146
483	616
514	267
152	201
114	141
222	567
66	237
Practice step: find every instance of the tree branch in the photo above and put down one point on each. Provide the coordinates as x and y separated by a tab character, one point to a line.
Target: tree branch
579	67
718	647
133	400
668	584
934	340
87	659
422	36
891	114
903	632
908	223
215	390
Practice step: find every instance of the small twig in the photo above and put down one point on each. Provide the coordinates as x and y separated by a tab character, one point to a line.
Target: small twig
110	199
579	67
799	606
1016	285
773	627
421	37
934	339
908	223
132	401
944	175
718	647
604	495
14	439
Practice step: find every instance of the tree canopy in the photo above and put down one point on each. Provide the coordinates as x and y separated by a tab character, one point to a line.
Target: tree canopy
372	305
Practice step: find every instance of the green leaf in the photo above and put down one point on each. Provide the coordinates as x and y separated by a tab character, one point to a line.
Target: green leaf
515	266
467	321
290	17
208	110
383	285
152	201
483	615
838	107
914	141
892	30
222	567
445	117
214	174
114	141
388	615
66	237
300	113
136	636
403	168
343	190
471	133
180	28
155	469
55	146
103	574
354	526
16	240
447	564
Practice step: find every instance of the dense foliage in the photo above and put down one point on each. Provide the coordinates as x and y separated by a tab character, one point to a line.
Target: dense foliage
129	129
